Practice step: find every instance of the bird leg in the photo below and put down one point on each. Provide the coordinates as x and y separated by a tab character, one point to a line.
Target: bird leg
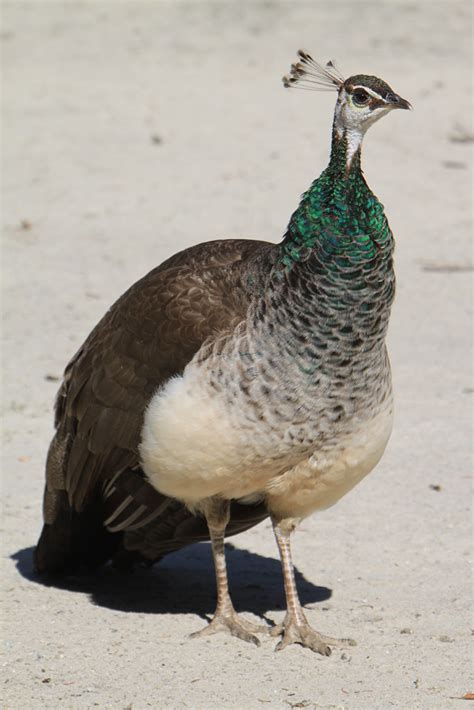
217	513
295	627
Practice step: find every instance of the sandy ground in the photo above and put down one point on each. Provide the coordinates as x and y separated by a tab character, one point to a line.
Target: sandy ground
132	130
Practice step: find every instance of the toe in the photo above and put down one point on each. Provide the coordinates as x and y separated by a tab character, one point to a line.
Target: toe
331	641
254	628
206	631
285	641
304	635
314	642
232	625
245	635
276	630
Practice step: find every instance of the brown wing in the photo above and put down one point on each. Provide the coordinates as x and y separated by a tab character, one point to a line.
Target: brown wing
147	336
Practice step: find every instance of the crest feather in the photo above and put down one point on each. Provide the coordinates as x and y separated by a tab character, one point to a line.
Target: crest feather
308	74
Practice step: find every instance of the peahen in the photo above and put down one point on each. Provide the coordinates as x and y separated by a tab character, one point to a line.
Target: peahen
237	380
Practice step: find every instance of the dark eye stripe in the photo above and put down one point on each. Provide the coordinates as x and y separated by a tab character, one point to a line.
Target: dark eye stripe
376	103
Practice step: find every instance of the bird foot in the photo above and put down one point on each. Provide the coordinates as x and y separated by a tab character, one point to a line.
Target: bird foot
231	623
299	631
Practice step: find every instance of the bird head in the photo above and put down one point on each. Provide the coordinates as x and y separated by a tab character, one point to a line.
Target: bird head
361	101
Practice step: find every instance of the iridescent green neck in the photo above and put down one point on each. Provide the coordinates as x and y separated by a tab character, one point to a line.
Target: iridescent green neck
338	214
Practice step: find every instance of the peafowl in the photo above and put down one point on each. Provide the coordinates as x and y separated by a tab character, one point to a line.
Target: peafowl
237	380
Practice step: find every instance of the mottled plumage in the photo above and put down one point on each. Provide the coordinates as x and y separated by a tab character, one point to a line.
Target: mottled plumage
146	337
237	380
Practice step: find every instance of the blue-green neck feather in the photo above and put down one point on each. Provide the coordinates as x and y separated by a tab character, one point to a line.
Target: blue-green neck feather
333	285
339	213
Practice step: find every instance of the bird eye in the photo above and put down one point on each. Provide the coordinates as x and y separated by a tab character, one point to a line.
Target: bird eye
360	97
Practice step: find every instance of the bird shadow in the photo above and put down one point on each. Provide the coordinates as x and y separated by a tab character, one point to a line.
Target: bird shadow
182	583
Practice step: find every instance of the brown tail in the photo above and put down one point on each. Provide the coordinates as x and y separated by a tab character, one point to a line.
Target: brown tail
70	540
128	521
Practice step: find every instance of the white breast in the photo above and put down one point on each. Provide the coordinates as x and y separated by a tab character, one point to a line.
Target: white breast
321	480
192	448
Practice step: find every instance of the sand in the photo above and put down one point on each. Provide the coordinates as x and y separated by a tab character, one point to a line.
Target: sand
132	130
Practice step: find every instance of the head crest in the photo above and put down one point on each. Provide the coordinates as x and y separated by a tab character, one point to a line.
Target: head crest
308	74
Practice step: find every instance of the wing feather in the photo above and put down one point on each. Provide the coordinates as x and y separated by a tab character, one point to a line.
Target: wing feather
148	335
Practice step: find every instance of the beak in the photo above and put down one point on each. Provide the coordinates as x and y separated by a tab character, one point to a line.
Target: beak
396	101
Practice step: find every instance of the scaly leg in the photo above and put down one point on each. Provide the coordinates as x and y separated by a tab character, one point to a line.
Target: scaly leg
217	513
295	627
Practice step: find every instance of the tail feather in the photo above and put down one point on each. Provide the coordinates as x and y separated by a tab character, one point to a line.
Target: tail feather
71	539
127	521
52	552
177	527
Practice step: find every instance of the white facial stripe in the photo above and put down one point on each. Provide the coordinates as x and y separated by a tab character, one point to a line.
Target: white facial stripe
371	92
